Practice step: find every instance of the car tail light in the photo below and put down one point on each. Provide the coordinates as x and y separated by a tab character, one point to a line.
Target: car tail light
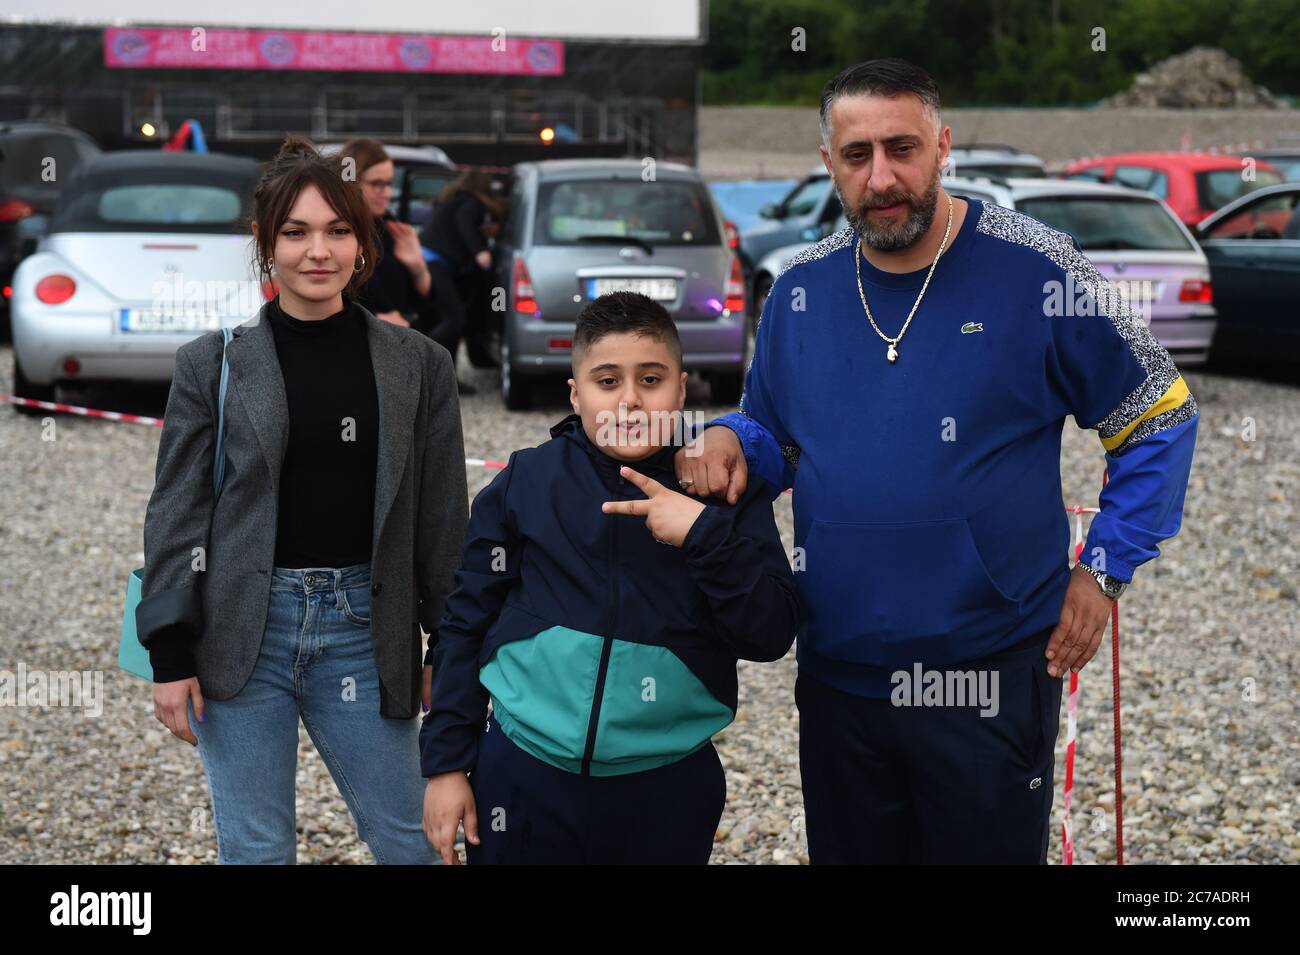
1196	290
55	289
11	210
559	344
733	235
735	288
522	282
9	291
270	288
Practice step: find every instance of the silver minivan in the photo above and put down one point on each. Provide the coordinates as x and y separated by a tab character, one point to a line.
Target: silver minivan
580	228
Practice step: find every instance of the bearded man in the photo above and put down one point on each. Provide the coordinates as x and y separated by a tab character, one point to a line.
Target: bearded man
911	382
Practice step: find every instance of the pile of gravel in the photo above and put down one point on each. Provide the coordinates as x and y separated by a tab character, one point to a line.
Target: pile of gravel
1201	78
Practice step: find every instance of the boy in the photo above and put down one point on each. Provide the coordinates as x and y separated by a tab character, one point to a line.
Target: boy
610	658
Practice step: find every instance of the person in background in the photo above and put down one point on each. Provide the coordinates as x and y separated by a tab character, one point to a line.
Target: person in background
461	260
400	283
482	323
402	289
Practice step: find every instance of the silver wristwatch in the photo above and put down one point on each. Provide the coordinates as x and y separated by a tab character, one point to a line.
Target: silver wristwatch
1112	587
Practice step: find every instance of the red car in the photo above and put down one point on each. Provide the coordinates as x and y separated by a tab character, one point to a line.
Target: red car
1193	184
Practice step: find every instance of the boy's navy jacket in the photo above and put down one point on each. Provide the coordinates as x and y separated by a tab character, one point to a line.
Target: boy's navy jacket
603	651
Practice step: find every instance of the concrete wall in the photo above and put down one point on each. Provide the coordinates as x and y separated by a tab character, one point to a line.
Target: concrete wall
744	142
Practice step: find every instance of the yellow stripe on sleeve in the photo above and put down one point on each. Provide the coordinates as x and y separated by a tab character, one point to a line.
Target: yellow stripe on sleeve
1170	400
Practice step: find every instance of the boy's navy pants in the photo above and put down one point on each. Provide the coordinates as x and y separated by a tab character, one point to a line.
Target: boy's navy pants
889	784
531	812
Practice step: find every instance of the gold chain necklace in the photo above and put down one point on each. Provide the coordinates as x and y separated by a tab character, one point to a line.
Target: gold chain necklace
892	352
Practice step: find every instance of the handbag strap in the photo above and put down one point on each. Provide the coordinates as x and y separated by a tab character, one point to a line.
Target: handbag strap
219	465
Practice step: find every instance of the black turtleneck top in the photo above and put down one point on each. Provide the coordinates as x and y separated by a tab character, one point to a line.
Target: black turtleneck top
327	479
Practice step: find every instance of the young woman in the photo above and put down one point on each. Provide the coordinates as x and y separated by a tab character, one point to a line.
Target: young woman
300	590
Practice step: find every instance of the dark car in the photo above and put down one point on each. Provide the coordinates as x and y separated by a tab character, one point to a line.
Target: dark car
36	159
1253	247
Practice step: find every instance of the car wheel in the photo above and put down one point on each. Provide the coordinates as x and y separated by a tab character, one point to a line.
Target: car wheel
25	389
516	389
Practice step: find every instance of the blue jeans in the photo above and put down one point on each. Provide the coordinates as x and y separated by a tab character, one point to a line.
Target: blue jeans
316	663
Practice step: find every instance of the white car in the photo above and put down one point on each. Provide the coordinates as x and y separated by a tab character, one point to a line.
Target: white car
1136	241
145	251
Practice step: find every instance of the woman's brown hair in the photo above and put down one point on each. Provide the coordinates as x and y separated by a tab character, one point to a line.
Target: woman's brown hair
478	183
364	153
297	165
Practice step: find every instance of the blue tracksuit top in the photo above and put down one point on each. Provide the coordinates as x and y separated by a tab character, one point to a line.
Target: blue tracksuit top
928	511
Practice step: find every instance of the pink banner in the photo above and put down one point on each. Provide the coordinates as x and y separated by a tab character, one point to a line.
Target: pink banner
222	49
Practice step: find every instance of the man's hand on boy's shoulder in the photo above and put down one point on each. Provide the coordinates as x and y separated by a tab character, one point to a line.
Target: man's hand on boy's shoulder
713	465
669	515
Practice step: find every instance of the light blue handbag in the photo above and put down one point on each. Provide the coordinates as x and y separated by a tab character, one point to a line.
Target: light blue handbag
131	654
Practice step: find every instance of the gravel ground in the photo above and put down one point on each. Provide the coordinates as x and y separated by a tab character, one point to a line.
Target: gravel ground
1209	667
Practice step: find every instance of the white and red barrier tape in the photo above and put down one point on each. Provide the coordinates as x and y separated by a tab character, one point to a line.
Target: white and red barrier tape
78	410
157	422
1067	832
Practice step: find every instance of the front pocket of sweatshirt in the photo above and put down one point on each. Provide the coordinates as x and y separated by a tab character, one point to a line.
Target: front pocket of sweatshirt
889	595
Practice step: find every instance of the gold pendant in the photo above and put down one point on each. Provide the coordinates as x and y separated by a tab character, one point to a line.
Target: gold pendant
892	354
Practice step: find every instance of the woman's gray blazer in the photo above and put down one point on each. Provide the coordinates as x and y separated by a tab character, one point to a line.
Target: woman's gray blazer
222	590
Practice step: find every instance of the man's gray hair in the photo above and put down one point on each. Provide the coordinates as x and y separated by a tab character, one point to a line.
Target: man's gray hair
885	77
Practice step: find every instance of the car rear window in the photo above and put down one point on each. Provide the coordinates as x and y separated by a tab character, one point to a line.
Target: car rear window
1217	187
1102	224
806	197
156	200
35	164
998	170
662	212
1290	167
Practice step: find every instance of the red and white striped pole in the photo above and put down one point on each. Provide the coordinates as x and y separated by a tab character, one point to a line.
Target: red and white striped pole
1067	832
1072	724
1115	710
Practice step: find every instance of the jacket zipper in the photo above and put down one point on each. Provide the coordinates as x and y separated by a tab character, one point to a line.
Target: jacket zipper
607	647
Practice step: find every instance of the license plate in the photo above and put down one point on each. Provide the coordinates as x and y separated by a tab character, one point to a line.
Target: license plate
1138	292
145	320
661	290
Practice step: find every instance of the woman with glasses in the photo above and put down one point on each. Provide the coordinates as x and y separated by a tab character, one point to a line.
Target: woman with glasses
402	287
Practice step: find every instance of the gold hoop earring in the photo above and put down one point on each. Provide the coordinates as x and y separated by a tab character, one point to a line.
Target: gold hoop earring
358	268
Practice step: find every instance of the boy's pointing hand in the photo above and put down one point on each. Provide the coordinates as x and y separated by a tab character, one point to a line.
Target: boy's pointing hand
669	515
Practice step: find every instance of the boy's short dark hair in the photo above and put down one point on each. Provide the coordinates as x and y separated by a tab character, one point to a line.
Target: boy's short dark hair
624	313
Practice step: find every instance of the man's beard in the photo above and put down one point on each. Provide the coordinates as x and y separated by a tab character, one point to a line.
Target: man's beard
888	237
